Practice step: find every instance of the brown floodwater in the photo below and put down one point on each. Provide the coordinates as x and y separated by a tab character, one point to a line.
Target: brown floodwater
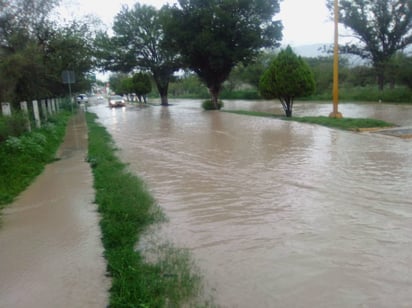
275	213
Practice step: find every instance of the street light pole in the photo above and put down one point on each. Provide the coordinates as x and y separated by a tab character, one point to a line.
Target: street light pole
335	113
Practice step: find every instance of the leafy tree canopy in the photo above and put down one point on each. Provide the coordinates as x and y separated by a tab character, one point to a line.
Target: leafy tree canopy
116	82
250	74
34	50
212	36
287	77
382	27
21	20
141	85
137	43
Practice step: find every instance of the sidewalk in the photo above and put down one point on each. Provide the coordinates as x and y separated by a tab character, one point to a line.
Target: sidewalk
50	249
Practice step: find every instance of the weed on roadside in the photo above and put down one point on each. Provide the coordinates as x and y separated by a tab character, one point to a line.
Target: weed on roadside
127	210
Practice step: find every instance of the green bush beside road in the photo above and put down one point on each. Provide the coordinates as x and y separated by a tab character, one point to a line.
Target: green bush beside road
23	157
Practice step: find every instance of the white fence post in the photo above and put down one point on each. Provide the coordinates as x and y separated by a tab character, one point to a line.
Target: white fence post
48	104
53	106
43	108
6	109
36	113
24	109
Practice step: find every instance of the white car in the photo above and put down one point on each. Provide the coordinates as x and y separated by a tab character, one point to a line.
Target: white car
82	98
116	101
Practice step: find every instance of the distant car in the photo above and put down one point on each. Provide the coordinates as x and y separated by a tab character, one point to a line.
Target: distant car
116	101
82	98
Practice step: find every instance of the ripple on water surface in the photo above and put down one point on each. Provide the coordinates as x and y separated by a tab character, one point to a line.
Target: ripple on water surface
278	213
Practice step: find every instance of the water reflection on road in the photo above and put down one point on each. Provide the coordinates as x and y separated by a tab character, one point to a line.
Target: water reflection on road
279	214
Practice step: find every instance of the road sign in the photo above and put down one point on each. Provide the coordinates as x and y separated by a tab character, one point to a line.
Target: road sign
68	77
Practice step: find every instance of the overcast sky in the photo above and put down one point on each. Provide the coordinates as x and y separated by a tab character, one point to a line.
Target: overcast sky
305	21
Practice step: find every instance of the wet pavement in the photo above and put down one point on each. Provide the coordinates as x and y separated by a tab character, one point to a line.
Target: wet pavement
50	249
275	213
405	133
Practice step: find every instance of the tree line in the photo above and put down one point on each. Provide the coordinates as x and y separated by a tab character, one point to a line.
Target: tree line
212	39
35	49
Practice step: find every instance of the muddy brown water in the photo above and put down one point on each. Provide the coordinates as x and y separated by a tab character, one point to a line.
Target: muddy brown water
279	214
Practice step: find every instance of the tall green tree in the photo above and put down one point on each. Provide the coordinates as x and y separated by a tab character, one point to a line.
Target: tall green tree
21	19
117	82
250	74
141	85
24	31
287	77
401	69
213	36
137	43
70	48
34	50
382	27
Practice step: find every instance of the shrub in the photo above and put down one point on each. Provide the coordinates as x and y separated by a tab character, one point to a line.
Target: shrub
209	105
14	125
22	158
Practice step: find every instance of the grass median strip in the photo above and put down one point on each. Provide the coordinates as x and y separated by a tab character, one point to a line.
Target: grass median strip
355	124
127	209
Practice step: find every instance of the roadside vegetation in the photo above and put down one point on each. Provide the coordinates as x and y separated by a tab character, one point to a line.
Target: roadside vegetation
23	154
35	49
357	83
127	209
344	123
287	77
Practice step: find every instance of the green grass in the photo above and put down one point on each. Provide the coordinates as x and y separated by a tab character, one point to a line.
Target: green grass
344	123
22	158
255	113
127	210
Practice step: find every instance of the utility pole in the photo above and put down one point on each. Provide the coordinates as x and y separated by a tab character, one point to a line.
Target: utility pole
335	113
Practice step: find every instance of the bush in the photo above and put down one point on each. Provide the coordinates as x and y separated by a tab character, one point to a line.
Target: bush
14	125
209	105
68	105
23	157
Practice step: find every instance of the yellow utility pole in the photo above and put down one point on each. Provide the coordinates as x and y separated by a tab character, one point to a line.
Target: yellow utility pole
335	113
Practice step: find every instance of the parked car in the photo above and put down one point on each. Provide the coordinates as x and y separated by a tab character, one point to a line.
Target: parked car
116	101
82	98
100	98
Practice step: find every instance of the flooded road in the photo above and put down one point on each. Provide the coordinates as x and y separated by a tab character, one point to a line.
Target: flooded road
279	214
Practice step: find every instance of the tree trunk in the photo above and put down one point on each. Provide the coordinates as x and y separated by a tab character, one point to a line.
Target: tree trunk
163	88
164	100
287	104
288	113
163	94
380	74
214	91
381	81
